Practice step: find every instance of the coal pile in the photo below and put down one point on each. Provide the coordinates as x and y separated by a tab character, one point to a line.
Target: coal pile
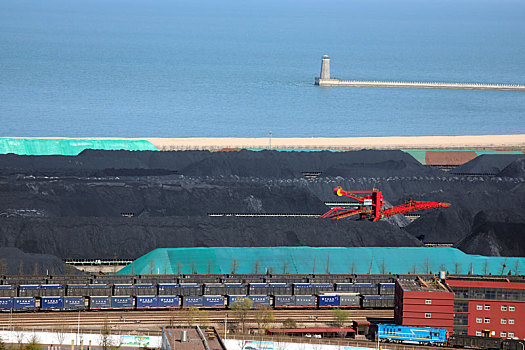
265	164
514	169
95	238
102	204
492	237
490	164
14	261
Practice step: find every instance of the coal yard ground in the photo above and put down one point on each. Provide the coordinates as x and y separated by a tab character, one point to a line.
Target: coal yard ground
123	204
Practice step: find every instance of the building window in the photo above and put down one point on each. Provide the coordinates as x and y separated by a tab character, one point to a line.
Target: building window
511	334
428	315
487	307
478	333
487	320
428	301
511	308
503	334
503	321
503	307
479	320
479	307
511	321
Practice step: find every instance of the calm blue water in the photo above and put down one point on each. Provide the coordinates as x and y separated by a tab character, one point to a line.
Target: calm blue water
241	68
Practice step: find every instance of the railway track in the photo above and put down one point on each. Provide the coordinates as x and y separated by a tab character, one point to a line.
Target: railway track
150	320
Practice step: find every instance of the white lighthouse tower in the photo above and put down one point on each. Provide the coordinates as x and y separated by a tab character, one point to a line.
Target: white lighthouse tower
325	70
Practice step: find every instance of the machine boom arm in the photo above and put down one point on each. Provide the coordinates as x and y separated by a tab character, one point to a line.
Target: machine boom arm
369	206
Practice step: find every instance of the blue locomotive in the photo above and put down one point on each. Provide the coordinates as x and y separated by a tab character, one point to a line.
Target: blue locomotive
411	334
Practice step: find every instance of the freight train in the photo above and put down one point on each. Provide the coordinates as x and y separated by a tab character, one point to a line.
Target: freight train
65	303
208	295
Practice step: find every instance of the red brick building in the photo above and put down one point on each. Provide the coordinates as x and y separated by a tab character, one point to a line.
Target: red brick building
486	306
424	304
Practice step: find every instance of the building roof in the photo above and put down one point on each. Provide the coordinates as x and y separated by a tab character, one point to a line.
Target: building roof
419	285
485	283
196	338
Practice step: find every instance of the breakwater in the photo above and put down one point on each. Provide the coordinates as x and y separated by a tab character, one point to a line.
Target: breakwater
418	85
325	80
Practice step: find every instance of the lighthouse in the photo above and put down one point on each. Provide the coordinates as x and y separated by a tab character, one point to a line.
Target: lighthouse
325	69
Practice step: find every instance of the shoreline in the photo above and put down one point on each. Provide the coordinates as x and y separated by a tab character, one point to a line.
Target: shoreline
507	142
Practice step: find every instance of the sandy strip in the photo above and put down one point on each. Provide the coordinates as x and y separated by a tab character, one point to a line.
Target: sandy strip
508	142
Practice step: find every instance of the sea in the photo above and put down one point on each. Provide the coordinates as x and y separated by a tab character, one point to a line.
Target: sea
245	68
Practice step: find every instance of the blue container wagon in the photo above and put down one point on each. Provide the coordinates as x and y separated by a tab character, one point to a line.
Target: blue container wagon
147	302
6	303
168	301
24	303
52	303
99	303
74	303
327	301
121	302
214	302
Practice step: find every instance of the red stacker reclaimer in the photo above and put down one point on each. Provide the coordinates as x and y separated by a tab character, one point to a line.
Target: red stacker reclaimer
369	206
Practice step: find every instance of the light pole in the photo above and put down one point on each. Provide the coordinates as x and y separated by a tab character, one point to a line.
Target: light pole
78	326
225	325
377	335
270	139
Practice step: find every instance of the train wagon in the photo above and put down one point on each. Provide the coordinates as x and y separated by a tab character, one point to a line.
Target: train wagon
234	289
327	301
157	302
168	301
472	341
256	299
123	289
387	288
206	301
29	290
24	304
6	303
411	334
121	302
377	301
312	288
512	344
147	302
52	290
295	301
74	303
214	289
190	289
7	290
99	303
52	303
169	289
134	289
361	288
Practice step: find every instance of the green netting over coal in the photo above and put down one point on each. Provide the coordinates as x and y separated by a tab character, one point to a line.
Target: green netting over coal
304	260
68	147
